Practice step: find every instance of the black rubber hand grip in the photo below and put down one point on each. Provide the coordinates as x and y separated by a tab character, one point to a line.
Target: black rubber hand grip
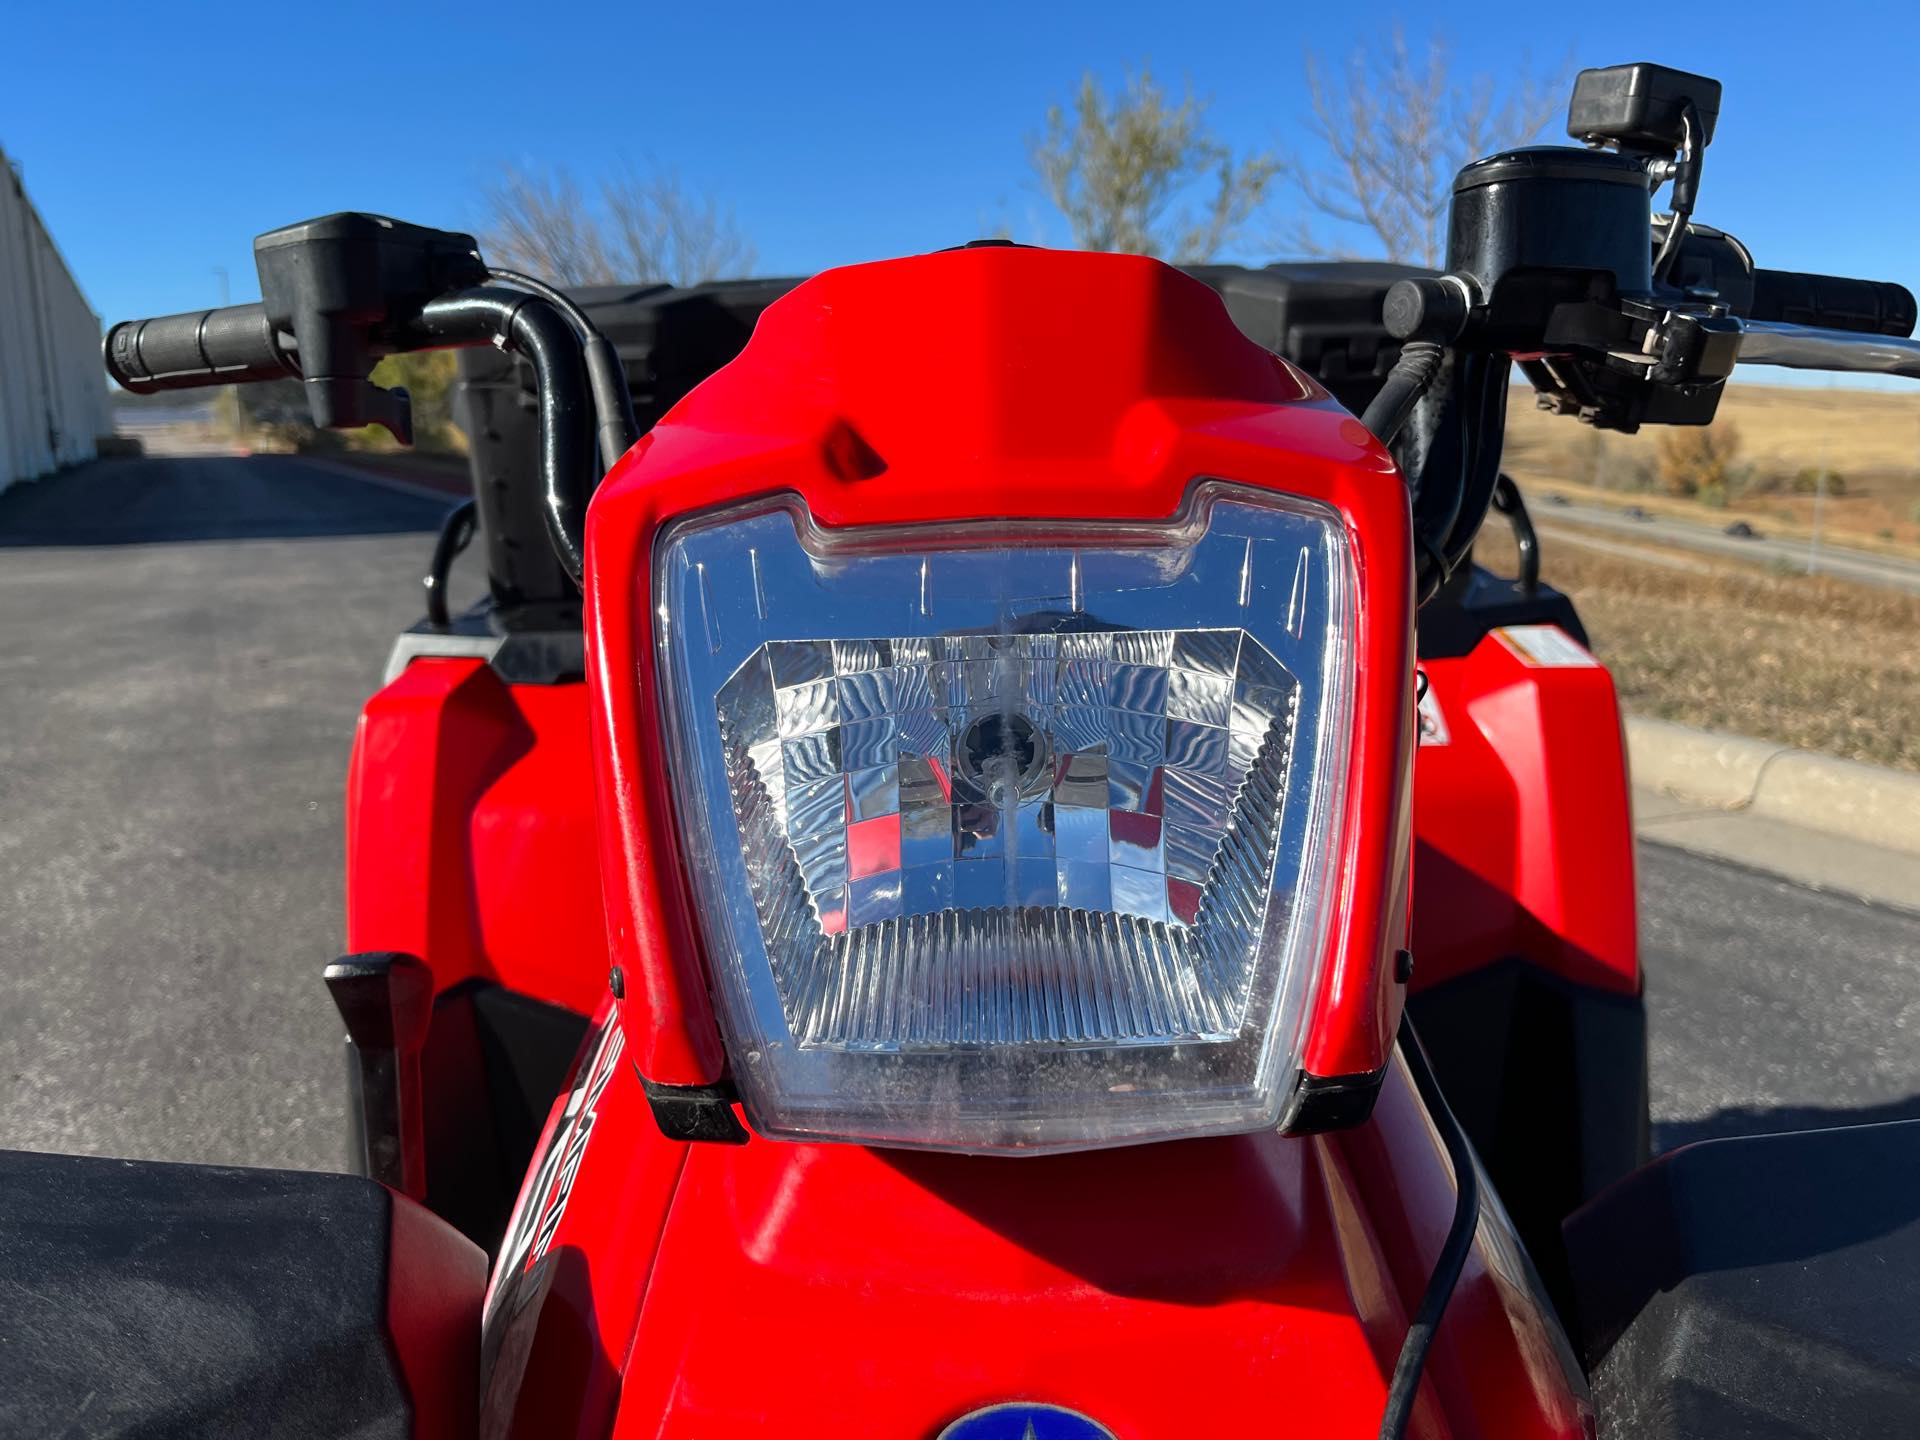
209	347
1832	302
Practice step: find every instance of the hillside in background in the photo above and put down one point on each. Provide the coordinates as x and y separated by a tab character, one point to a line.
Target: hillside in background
1867	440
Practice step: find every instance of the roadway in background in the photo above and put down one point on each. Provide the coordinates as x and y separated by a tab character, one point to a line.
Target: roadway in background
1862	566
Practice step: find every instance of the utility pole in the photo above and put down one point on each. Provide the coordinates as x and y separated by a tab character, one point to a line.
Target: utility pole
225	298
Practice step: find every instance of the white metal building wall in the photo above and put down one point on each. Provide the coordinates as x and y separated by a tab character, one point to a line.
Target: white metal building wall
53	392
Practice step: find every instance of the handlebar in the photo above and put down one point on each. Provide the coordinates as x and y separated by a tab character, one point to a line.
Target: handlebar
528	325
1832	302
231	346
239	344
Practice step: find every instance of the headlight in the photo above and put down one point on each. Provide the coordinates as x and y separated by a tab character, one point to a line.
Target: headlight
1016	836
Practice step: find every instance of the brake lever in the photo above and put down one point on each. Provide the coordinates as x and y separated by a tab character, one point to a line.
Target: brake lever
1810	347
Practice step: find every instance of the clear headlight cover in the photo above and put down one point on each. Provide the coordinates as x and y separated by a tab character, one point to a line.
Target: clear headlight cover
1011	837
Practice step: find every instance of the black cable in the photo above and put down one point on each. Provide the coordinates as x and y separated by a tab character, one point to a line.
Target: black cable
531	326
582	323
617	427
1486	437
456	533
1686	189
1404	1387
1412	373
1449	449
1434	452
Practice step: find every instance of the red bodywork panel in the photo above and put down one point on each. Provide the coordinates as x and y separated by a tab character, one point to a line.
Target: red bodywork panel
1207	1285
435	1278
668	1289
1523	823
1035	385
470	833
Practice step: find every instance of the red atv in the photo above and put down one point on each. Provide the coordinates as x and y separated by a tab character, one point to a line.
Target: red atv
905	911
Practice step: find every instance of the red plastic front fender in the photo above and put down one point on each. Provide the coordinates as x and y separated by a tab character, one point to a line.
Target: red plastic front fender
1523	821
1213	1285
470	832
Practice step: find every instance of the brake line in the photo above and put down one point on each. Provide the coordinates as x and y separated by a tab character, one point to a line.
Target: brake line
616	427
1404	1387
1412	374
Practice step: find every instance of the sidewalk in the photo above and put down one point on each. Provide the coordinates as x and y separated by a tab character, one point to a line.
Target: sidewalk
1805	856
1830	824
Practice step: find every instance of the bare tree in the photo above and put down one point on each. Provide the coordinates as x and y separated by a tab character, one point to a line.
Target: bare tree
1116	166
638	227
688	238
1396	127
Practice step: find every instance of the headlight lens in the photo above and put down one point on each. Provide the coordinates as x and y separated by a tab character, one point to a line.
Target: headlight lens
1011	839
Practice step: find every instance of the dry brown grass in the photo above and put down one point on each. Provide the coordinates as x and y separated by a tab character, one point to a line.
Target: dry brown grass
1870	438
1804	660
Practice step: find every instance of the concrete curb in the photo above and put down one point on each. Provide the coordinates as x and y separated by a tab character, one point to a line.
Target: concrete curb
1815	792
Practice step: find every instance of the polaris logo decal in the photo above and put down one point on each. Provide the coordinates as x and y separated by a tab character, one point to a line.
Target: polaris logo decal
1016	1421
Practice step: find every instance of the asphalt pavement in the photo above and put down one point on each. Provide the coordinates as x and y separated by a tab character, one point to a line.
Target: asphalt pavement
1772	1006
184	645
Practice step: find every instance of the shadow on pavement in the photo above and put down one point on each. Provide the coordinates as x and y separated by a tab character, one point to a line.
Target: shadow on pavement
253	497
1779	1119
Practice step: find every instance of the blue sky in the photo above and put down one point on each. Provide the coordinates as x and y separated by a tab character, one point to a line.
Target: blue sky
157	141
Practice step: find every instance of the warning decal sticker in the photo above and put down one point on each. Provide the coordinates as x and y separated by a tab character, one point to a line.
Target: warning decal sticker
1546	647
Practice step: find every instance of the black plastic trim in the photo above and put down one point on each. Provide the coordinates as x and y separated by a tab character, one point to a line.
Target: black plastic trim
696	1112
1327	318
1331	1102
493	1064
1549	1078
386	1000
543	648
1479	602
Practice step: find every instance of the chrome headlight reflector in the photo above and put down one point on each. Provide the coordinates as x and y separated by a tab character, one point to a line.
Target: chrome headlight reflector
1008	839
